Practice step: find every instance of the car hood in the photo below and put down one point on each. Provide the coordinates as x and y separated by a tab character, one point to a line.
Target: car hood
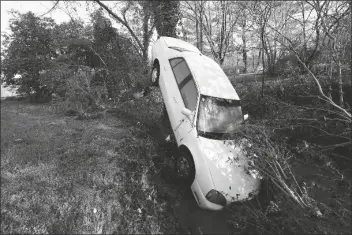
227	161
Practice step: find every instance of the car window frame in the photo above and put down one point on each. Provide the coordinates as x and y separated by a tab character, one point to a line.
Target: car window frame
185	80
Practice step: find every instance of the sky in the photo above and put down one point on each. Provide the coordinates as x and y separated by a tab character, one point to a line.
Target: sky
41	7
37	7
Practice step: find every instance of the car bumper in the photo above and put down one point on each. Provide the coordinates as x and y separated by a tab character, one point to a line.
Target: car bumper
205	204
201	200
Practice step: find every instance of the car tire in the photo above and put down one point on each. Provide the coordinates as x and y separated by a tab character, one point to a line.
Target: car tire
184	177
155	74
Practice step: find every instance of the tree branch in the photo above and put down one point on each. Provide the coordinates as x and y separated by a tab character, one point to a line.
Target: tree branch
330	101
119	19
51	9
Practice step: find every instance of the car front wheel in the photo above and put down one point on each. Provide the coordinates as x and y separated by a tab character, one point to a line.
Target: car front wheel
185	168
155	75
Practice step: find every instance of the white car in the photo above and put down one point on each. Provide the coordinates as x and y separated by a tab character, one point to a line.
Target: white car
202	107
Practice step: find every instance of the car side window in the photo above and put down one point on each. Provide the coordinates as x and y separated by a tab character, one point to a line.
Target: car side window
174	62
189	94
180	69
185	82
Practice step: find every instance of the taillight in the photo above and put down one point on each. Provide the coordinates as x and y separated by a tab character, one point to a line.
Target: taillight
216	197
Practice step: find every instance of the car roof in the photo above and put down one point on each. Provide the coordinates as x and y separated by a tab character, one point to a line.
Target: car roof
210	78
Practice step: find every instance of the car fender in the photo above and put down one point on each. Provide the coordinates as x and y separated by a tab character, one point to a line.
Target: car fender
203	174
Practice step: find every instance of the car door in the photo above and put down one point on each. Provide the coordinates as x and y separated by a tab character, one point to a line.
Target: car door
184	97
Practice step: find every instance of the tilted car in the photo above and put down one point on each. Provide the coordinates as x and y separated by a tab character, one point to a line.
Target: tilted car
202	106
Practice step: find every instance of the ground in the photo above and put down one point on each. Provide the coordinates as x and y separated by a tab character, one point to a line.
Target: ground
114	175
90	176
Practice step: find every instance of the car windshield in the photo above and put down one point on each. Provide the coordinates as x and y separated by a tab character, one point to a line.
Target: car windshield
217	116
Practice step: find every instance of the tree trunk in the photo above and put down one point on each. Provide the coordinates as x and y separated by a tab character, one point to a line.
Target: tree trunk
145	38
304	35
269	53
201	28
263	74
197	26
244	49
166	14
256	67
340	85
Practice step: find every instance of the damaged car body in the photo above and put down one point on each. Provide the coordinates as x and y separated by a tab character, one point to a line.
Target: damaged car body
203	108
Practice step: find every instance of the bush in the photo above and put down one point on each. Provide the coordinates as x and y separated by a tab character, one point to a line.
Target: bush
297	204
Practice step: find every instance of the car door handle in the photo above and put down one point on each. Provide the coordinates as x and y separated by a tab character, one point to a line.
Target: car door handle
174	99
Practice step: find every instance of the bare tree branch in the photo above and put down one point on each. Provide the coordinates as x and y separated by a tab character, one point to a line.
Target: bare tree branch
330	101
122	21
51	9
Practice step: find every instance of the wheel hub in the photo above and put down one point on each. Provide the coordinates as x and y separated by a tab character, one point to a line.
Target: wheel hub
183	167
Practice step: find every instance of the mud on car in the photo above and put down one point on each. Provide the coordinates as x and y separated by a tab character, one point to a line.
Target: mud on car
202	107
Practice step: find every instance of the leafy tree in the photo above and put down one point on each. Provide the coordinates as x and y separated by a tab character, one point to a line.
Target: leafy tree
30	51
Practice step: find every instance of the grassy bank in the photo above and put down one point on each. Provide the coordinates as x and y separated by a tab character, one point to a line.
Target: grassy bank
61	175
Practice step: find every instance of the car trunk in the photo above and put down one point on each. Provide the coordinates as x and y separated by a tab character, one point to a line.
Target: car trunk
176	43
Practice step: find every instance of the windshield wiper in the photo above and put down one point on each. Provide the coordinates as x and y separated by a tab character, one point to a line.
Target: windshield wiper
214	135
221	136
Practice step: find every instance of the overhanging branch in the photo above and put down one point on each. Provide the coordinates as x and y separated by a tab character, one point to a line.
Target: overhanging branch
123	22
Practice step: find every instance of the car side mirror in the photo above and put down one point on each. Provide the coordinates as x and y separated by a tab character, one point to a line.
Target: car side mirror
245	117
187	113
